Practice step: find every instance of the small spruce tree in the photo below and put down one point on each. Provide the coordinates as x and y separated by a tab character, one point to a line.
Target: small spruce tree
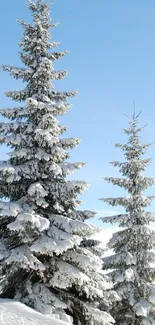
47	259
132	264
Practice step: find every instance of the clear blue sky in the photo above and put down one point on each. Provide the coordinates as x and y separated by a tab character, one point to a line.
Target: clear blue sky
111	63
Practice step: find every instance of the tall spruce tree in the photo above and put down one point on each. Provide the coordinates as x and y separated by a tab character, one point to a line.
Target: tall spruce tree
132	264
47	260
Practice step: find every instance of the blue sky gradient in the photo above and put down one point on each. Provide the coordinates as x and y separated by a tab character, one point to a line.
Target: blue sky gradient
111	63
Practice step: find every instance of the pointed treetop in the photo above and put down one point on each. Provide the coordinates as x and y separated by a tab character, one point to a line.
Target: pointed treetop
133	130
133	120
38	5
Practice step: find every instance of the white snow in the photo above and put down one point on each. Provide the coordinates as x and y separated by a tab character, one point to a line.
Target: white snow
105	234
16	313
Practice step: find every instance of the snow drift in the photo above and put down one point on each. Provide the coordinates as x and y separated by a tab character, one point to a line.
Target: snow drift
15	313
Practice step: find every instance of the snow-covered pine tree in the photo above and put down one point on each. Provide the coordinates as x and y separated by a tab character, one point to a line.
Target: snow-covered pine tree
132	262
47	259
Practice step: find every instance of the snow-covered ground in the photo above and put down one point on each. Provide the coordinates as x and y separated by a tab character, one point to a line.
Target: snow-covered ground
15	313
105	234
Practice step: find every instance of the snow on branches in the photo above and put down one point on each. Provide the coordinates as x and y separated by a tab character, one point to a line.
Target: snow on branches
132	263
47	259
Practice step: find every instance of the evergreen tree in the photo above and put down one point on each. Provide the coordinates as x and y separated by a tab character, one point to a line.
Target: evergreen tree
132	263
47	259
